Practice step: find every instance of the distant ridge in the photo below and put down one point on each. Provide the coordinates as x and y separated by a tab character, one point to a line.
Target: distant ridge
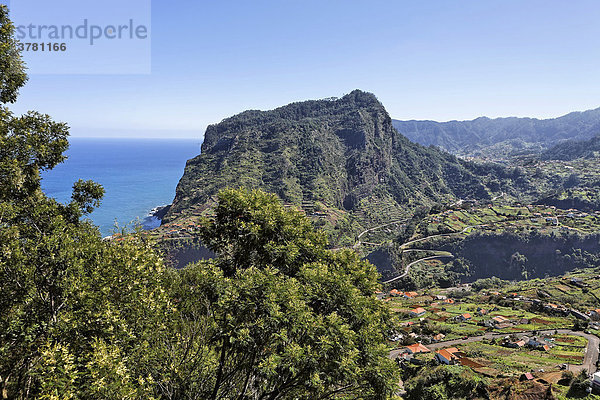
572	149
502	136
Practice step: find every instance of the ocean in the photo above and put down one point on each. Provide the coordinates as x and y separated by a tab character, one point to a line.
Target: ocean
137	174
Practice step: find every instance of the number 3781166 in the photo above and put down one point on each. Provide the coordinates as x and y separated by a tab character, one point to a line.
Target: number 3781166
42	46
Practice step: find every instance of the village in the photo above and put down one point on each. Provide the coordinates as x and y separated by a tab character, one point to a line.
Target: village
494	333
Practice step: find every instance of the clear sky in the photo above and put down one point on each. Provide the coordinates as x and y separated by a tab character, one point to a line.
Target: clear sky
437	60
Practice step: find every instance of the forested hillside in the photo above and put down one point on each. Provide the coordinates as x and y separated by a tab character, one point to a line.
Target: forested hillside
572	149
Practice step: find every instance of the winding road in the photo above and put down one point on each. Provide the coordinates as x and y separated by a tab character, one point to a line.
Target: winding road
358	242
592	349
415	262
440	235
404	246
497	197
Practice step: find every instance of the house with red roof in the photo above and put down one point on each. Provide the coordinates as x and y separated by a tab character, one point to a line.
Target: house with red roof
464	317
551	307
447	356
417	348
439	337
544	347
498	322
417	312
526	377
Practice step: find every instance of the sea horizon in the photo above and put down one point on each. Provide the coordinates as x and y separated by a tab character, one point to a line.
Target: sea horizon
138	175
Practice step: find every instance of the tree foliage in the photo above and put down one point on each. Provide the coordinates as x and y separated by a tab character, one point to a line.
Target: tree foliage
274	316
12	69
76	313
286	318
444	382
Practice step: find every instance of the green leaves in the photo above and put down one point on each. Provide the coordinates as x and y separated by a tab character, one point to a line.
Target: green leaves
290	319
275	316
65	289
86	195
28	144
56	370
77	314
12	68
251	227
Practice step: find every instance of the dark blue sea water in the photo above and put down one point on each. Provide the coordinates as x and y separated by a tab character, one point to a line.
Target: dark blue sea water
137	174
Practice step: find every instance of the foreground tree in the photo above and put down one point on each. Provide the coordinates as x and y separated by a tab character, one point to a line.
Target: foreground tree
286	318
275	316
76	313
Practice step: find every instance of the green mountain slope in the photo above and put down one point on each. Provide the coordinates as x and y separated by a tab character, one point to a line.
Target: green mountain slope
572	150
341	154
502	136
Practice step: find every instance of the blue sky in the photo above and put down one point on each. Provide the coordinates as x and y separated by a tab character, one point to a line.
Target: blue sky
437	60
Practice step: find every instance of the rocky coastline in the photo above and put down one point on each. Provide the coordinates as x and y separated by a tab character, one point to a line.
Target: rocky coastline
160	211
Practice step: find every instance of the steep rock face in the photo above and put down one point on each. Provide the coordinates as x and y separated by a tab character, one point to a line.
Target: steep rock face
494	255
336	151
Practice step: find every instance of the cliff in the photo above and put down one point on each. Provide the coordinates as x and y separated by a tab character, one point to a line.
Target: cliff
342	152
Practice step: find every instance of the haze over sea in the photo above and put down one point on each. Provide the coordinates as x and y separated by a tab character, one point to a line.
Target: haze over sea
137	174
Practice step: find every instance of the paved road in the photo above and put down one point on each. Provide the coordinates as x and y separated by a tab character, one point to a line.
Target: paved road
440	235
358	242
415	262
497	197
589	360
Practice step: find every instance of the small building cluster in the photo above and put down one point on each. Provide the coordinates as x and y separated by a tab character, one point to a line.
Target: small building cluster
177	230
498	322
534	343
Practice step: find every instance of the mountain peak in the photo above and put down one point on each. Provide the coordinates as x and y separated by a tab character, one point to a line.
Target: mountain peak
341	153
254	122
362	98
